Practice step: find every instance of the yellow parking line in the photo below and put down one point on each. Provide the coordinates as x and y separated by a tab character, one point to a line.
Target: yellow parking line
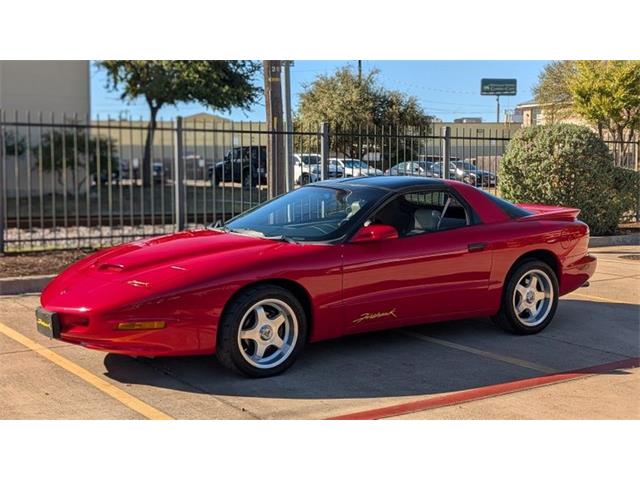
595	297
123	397
483	353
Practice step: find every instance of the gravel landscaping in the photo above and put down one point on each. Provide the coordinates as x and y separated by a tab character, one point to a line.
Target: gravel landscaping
40	263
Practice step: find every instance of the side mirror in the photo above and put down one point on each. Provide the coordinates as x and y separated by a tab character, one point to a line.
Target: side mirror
375	233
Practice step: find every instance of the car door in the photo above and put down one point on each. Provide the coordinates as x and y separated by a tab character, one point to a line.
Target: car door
435	270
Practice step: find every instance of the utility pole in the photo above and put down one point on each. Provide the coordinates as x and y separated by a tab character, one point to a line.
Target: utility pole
276	165
497	108
359	71
2	180
288	123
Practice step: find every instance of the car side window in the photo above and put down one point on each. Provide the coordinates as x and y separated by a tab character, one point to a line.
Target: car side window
423	212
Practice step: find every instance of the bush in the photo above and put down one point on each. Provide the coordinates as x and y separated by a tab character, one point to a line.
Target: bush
571	166
627	184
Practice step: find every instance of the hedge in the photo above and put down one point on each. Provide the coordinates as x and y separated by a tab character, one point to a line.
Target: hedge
568	165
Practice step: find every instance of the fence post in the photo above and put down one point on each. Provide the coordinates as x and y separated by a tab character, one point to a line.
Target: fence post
3	193
180	200
324	151
637	157
446	151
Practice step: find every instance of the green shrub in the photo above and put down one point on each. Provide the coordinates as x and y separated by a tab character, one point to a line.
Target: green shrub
627	184
571	166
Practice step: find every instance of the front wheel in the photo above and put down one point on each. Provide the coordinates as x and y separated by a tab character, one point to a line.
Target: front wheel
530	299
262	331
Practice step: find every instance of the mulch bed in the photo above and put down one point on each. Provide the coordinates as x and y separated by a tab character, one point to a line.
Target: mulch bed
626	228
38	263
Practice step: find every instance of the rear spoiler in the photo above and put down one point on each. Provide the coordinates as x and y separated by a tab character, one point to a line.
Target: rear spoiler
548	212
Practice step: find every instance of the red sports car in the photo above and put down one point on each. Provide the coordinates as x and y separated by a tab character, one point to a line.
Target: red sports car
328	259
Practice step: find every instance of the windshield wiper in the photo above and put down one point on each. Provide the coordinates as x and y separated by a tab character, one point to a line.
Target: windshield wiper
253	233
246	231
282	238
221	228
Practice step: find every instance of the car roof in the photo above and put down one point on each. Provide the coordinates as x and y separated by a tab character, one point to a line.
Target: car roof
383	181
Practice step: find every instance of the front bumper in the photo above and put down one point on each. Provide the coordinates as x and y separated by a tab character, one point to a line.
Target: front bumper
178	337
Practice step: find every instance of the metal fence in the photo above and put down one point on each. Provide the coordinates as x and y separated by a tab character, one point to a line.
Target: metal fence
68	182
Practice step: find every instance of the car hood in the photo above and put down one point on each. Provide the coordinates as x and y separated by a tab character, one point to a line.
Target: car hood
145	268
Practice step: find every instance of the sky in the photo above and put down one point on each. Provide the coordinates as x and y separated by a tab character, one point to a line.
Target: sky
445	89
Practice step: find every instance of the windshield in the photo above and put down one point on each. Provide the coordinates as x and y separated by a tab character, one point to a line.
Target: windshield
355	164
466	166
311	213
437	167
310	159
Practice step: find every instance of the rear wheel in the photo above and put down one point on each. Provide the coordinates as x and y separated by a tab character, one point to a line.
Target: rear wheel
262	331
529	300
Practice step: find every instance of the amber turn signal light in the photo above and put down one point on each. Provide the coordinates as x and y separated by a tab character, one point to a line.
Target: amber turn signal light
140	325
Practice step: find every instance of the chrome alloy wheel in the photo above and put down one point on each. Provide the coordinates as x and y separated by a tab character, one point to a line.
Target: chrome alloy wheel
268	333
533	298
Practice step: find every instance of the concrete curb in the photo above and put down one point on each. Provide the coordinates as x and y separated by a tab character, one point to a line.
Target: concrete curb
20	285
614	240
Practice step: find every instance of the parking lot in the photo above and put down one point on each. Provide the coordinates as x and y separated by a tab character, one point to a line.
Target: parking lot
583	366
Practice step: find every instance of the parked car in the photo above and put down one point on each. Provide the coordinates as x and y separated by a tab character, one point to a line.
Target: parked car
419	168
245	165
159	174
329	259
104	178
453	171
306	168
356	168
467	172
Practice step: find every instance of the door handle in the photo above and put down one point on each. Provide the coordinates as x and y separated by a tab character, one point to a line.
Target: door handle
477	247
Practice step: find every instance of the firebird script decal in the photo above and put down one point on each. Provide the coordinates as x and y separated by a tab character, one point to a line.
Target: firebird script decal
39	321
376	315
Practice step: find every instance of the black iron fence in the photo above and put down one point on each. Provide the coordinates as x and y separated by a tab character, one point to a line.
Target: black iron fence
69	182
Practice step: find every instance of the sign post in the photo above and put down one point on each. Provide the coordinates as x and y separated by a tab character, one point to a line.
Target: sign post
497	87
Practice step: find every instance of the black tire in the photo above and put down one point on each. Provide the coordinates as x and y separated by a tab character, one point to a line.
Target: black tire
306	179
228	349
218	175
247	181
507	318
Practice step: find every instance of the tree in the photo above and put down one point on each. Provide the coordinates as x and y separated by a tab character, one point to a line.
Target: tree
217	84
604	93
63	150
14	145
553	91
348	102
607	93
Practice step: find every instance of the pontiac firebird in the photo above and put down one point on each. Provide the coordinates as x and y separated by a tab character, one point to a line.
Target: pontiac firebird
332	258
